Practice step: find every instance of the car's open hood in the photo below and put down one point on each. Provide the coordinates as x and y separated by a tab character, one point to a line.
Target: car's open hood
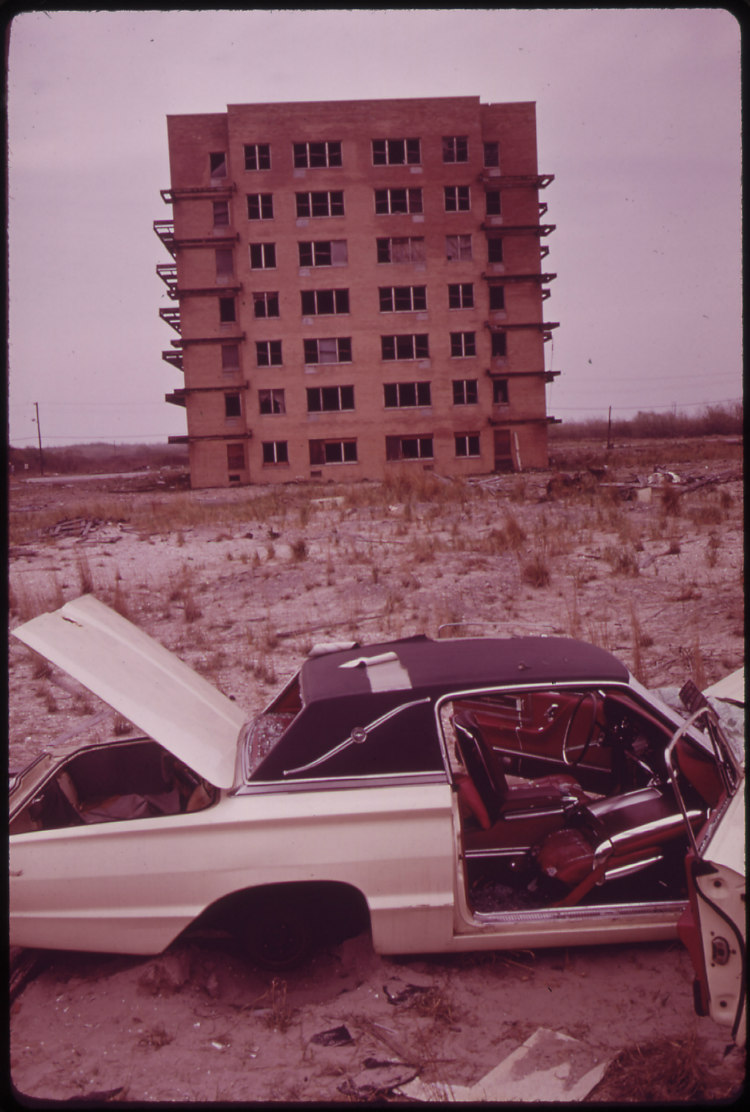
143	681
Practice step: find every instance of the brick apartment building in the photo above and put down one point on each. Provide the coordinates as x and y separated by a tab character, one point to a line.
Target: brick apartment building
357	288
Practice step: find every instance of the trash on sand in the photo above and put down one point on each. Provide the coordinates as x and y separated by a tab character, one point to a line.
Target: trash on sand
336	1036
550	1066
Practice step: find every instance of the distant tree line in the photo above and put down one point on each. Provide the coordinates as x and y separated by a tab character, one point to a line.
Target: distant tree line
714	420
98	458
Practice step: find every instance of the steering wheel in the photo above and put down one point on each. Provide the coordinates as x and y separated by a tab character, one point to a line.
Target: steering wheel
577	719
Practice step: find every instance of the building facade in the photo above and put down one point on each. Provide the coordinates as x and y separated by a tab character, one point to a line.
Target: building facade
357	287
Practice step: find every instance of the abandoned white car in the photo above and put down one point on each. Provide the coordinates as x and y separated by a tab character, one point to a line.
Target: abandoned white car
447	795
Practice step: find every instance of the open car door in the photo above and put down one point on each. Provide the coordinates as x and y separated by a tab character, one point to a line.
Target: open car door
713	925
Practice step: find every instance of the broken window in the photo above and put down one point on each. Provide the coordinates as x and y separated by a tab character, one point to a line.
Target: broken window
492	154
398	200
408	447
329	399
497	297
260	206
495	250
405	347
499	343
230	357
221	214
268	353
457	198
275	451
218	164
310	155
399	395
463	344
224	262
467	444
232	405
455	148
323	252
461	296
403	299
227	310
334	349
465	391
395	152
333	451
330	203
457	248
236	457
492	202
500	391
271	401
324	302
257	156
266	304
401	249
262	256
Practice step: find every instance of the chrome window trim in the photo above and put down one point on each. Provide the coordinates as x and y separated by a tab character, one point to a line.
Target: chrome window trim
343	783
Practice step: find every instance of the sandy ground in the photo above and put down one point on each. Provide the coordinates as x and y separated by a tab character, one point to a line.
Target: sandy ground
241	591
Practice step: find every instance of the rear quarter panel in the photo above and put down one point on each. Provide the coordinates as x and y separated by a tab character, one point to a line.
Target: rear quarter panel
132	886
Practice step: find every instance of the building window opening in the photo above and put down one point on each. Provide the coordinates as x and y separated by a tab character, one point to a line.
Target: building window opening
271	401
266	304
497	297
268	353
323	252
455	148
405	347
332	451
310	155
262	256
463	344
224	263
491	154
221	214
461	295
402	299
401	395
275	451
324	302
401	249
227	310
330	399
457	198
408	447
500	391
232	405
499	344
467	445
390	201
395	152
257	156
230	357
492	202
331	349
320	204
458	248
465	391
218	164
494	250
260	206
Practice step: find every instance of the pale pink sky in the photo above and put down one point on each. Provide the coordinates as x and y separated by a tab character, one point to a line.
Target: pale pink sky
638	115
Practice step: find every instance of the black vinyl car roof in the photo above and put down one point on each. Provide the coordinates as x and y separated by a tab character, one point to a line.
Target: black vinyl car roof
427	667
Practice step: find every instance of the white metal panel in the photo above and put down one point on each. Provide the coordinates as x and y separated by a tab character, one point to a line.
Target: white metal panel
143	681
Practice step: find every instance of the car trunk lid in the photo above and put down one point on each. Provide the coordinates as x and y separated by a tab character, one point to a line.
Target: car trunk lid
143	681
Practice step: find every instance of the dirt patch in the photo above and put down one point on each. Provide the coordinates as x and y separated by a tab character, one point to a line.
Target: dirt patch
241	583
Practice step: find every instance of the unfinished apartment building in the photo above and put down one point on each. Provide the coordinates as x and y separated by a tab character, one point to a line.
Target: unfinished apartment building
357	288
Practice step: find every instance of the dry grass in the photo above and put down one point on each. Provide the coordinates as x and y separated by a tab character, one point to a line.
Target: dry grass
665	1071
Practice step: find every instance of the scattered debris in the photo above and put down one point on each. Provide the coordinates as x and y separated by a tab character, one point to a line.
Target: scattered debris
75	526
408	992
549	1066
336	1036
378	1079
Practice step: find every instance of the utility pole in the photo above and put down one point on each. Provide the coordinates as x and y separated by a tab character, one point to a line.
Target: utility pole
609	428
39	436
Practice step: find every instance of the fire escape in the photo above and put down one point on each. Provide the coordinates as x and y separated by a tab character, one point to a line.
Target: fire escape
168	272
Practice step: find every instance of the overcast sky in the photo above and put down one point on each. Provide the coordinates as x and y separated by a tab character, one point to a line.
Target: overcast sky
638	117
